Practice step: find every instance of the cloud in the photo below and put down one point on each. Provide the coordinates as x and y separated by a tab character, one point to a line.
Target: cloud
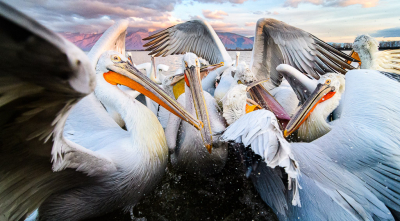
258	13
97	15
332	3
387	33
250	24
214	14
222	1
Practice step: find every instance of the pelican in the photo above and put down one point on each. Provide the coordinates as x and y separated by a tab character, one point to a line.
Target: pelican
276	42
367	48
155	73
196	36
188	151
345	173
363	139
73	163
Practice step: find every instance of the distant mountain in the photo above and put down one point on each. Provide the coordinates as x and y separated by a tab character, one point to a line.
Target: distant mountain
231	41
234	41
134	40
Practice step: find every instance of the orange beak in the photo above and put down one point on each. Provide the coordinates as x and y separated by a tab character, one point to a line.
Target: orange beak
322	93
125	74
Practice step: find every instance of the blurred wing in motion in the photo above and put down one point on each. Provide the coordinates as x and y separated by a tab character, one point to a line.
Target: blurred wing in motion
196	36
42	77
388	61
279	43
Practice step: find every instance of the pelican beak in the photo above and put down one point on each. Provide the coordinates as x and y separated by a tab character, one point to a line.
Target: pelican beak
211	67
125	74
322	93
192	78
207	69
355	56
176	79
260	95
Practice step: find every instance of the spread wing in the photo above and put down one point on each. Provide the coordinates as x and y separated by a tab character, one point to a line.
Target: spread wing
260	131
365	140
42	77
279	43
195	36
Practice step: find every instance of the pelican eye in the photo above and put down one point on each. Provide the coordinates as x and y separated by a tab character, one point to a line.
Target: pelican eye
197	63
115	58
328	82
186	65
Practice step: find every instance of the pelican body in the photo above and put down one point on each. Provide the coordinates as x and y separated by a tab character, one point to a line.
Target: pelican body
367	48
190	150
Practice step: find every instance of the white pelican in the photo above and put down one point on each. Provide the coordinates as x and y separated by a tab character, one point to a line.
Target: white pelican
155	73
363	140
276	42
367	48
187	150
348	174
196	36
98	167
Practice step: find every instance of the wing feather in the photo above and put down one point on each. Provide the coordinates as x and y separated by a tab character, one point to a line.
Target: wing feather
298	48
365	139
195	36
42	77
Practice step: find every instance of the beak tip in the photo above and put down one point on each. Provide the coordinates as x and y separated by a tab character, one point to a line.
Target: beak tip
209	148
285	133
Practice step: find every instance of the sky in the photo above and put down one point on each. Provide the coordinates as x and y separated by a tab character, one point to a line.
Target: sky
330	20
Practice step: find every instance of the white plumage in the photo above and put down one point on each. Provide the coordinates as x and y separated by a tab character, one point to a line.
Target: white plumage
96	166
348	167
371	58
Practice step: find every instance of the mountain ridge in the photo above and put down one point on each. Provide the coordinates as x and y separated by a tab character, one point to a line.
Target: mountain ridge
134	41
230	40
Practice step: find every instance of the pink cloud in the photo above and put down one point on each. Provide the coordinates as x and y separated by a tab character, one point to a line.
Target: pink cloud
214	14
250	24
333	3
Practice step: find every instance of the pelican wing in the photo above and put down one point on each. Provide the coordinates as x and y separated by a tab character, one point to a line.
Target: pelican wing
388	61
322	176
279	43
366	140
260	131
42	77
195	36
112	39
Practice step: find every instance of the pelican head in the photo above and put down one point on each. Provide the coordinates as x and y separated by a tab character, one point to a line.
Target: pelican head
366	47
236	103
191	67
243	74
113	68
319	99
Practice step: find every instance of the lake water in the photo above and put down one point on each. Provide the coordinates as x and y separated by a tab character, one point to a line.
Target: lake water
175	61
